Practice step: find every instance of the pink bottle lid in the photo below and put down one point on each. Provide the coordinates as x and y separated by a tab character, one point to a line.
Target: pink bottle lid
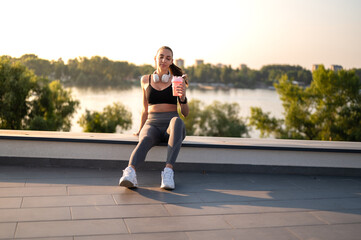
177	79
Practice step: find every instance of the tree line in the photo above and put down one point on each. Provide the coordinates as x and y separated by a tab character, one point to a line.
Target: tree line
103	72
328	109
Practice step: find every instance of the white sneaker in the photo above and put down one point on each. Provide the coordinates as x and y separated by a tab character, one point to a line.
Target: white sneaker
167	179
129	178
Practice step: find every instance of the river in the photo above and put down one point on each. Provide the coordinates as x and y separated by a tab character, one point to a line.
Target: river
96	99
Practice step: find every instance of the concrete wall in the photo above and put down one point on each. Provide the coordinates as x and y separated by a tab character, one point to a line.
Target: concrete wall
216	152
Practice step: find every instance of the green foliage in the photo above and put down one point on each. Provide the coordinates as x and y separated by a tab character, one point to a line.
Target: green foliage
192	120
273	73
265	124
52	108
16	84
30	102
41	67
329	109
217	119
108	120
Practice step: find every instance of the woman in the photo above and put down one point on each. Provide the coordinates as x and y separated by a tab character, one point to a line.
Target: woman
160	121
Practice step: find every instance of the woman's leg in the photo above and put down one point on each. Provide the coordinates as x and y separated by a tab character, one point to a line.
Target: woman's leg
175	133
148	137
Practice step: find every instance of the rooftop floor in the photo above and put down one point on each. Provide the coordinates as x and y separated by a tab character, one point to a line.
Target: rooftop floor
80	203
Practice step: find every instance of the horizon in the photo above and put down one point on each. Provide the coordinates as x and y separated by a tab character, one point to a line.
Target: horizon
271	64
231	32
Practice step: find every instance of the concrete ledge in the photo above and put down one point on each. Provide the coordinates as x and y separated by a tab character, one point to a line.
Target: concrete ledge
197	153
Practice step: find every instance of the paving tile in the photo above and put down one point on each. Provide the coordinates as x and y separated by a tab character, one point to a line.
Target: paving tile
314	194
327	183
34	214
7	230
209	208
221	195
100	190
308	204
70	228
262	206
105	237
161	236
257	220
29	191
344	216
51	182
51	238
328	232
118	211
148	196
262	178
241	234
271	183
139	236
232	185
190	178
12	182
29	172
170	224
10	202
64	201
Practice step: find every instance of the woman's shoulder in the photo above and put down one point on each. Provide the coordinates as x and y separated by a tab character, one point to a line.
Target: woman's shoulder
144	80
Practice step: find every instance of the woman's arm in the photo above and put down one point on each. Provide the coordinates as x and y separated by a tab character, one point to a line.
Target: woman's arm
183	99
184	108
144	114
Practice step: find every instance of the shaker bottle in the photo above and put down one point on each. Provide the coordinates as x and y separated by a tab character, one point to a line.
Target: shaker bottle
176	81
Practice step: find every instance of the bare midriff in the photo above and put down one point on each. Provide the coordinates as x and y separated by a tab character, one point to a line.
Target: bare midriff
162	107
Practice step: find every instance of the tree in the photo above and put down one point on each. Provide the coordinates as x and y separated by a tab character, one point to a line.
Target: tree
329	109
52	107
41	67
217	119
16	84
222	120
30	102
192	120
108	120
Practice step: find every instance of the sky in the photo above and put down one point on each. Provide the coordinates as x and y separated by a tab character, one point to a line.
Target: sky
230	32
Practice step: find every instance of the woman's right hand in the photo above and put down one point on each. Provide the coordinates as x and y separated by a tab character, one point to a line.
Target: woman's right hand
136	134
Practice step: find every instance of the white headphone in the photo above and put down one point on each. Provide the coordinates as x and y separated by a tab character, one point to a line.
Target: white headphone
165	77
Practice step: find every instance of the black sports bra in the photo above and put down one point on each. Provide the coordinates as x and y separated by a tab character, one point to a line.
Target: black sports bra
155	96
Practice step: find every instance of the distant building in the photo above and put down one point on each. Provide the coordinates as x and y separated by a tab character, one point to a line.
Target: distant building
336	67
333	67
199	62
315	67
220	65
179	62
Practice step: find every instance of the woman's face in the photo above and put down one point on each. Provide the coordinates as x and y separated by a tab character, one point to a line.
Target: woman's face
164	59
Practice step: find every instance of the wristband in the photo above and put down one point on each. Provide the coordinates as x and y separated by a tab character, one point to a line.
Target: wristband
185	100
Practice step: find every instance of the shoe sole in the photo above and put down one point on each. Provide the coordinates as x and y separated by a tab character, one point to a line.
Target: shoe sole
167	188
126	183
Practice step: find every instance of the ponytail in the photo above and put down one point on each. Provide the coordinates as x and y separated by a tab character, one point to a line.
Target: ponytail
177	71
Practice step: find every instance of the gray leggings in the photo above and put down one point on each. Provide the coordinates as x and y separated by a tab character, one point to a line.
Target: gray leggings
160	127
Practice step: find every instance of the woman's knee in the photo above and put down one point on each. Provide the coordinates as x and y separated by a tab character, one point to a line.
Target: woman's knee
177	124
